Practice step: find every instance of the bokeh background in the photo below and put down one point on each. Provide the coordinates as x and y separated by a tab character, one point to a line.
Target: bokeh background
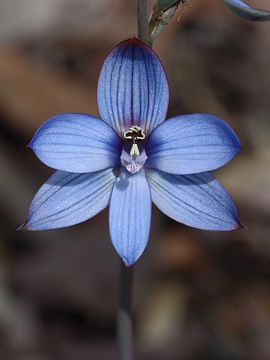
197	295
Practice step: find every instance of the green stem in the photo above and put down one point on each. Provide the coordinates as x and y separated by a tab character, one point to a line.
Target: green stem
142	17
124	320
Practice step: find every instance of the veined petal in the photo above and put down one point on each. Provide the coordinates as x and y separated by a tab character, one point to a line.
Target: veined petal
77	143
190	144
198	200
67	199
247	12
130	215
132	88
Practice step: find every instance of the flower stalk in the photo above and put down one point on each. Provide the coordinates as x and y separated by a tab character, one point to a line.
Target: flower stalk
124	321
142	19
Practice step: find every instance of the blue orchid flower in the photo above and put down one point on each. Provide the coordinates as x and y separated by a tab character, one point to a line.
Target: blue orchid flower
133	157
247	12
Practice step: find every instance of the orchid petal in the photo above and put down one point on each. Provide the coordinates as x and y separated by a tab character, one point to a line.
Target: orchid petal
191	144
198	200
247	12
130	215
77	143
68	198
132	88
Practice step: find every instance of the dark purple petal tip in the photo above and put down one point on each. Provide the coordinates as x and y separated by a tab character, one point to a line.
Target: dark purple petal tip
128	266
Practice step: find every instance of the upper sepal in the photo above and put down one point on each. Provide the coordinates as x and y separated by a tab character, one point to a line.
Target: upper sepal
132	88
247	12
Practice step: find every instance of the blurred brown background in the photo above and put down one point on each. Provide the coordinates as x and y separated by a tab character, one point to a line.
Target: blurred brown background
197	295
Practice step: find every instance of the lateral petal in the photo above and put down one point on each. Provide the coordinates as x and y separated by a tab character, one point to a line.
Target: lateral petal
197	200
77	143
247	12
130	215
68	198
190	144
132	88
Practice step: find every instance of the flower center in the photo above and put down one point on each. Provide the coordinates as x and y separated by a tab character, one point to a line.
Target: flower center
135	133
135	159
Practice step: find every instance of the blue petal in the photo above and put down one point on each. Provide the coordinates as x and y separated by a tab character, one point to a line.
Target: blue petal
77	143
194	200
67	199
247	12
191	144
132	88
130	215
